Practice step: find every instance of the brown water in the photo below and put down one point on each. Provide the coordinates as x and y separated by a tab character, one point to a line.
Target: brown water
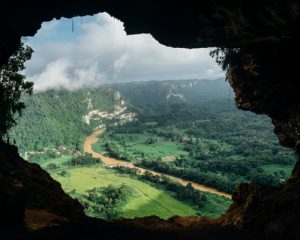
93	138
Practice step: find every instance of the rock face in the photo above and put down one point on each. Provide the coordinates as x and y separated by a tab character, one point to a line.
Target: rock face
264	78
273	211
265	81
29	196
264	84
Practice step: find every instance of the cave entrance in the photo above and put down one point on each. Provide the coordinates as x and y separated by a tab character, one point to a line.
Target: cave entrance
161	120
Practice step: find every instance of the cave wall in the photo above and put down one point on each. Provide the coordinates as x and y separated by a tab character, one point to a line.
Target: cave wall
176	23
265	76
265	81
29	196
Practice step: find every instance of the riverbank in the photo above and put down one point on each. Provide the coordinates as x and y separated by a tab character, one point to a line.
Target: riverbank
109	161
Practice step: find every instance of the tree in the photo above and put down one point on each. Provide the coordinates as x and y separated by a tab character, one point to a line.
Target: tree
225	56
12	85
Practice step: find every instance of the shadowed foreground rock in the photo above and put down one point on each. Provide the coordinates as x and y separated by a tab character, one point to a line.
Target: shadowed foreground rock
29	196
274	211
265	81
144	228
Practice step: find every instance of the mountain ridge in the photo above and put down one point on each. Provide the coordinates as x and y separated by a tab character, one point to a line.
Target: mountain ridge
67	116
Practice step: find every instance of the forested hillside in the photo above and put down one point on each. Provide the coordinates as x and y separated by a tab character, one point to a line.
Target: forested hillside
61	117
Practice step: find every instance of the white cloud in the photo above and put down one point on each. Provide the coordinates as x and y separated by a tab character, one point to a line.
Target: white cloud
100	51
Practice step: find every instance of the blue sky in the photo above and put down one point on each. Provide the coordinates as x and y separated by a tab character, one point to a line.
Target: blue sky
60	30
99	51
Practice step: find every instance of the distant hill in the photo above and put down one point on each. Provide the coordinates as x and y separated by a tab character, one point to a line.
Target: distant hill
153	93
61	117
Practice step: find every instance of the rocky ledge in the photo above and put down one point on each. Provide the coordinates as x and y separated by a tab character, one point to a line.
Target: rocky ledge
29	196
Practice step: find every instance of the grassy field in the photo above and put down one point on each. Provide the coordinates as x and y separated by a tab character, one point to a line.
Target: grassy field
216	205
133	145
58	161
272	168
146	200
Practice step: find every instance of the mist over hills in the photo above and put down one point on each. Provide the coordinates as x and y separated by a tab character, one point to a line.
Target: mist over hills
153	93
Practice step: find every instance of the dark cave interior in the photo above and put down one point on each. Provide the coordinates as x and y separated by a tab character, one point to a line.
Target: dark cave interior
264	78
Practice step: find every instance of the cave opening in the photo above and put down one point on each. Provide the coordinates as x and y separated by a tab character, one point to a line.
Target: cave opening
263	76
172	140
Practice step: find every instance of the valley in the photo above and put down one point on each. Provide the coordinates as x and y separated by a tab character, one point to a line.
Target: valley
112	162
152	139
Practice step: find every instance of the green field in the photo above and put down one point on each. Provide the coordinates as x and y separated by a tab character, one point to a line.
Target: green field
58	161
146	200
273	168
216	205
135	148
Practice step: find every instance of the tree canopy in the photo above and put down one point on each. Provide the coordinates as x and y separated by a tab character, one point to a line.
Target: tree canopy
12	85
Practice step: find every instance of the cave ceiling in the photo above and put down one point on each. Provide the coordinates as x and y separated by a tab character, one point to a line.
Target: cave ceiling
188	24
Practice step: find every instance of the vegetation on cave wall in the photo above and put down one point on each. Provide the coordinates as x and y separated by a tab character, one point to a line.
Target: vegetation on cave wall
12	84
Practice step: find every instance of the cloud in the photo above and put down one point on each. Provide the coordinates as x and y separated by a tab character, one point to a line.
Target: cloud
99	51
